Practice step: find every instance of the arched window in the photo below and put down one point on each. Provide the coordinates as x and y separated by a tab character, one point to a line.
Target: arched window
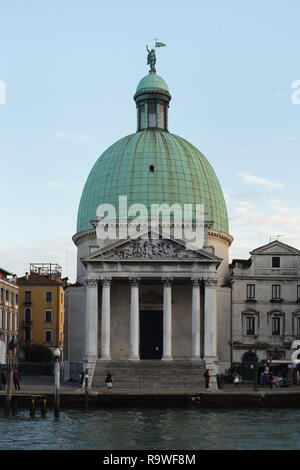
151	168
27	316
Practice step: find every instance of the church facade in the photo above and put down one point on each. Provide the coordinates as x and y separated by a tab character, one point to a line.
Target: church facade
150	297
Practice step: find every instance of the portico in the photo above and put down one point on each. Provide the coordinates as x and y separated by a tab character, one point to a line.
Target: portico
121	285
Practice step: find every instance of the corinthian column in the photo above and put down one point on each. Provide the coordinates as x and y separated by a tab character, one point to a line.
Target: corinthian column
105	321
196	320
210	318
134	320
167	321
91	321
210	331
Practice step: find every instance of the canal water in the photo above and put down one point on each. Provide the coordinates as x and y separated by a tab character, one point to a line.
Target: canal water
168	429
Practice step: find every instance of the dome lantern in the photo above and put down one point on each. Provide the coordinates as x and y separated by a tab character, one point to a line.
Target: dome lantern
152	99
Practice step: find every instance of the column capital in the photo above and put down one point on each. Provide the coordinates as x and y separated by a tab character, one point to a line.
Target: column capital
105	281
196	282
134	281
211	283
91	282
167	281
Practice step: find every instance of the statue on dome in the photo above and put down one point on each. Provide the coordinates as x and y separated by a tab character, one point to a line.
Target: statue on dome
151	60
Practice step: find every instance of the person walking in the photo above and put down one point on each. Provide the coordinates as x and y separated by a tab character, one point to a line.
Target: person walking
207	378
16	379
3	379
109	380
263	379
271	380
236	380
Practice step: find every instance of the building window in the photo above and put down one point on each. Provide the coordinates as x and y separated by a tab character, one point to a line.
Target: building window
275	262
61	298
298	292
17	299
276	324
6	295
27	334
48	316
27	316
250	326
48	336
297	326
275	292
250	291
27	296
152	115
61	316
49	297
142	117
3	320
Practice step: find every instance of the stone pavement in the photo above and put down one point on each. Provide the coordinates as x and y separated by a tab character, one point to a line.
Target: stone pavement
44	383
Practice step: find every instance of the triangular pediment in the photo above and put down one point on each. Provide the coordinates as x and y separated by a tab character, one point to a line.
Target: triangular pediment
275	248
154	248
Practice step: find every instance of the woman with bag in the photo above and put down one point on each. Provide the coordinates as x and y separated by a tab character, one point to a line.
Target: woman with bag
109	380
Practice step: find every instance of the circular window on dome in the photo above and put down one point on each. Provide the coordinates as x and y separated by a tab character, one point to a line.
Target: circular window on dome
151	168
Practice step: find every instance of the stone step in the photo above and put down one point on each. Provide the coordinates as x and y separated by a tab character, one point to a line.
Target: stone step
150	376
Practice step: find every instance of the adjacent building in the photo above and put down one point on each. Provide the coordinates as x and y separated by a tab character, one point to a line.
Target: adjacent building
9	311
41	301
265	304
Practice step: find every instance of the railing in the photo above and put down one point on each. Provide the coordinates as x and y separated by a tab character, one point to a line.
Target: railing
26	323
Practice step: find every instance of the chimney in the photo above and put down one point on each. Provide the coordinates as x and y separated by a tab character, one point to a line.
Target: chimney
40	271
26	276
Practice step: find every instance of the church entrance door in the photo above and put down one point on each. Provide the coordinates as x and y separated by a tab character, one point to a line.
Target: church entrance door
151	334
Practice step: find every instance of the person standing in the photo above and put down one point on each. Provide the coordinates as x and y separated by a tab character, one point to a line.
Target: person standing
3	379
271	380
207	378
236	380
16	379
109	380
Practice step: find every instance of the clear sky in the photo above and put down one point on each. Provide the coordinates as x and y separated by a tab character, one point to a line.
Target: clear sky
71	68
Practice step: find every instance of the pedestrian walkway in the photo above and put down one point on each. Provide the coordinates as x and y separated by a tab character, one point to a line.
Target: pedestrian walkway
43	383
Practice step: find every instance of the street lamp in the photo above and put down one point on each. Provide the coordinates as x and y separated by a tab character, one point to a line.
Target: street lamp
56	382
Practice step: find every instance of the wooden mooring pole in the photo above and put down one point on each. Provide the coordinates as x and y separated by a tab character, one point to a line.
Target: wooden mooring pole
86	383
32	407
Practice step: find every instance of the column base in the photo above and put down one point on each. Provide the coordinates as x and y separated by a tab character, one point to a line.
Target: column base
105	358
136	358
196	358
167	358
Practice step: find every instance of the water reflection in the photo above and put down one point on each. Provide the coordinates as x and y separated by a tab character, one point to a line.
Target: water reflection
169	429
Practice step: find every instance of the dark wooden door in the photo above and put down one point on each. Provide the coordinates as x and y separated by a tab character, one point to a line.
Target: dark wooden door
151	334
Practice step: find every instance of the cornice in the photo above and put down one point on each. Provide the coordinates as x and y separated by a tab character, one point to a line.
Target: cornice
224	236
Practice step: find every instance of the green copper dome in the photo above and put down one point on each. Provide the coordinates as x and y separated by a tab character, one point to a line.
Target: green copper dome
152	83
153	166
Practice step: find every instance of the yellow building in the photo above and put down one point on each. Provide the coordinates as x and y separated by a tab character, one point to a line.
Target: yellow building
41	306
